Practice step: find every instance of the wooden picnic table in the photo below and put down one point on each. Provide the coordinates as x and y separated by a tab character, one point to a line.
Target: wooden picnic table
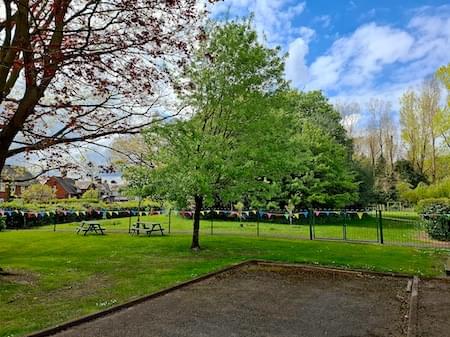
91	226
147	227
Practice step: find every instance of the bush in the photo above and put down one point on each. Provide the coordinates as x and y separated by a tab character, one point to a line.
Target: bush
38	193
437	220
2	223
91	194
424	204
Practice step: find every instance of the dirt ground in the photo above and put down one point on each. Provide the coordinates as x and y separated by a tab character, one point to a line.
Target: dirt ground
434	308
267	301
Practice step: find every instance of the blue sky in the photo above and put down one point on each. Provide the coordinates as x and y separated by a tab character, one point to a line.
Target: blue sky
353	50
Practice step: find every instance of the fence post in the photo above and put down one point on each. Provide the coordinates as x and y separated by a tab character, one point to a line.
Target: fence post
129	222
212	223
257	222
344	228
54	223
311	224
170	216
380	226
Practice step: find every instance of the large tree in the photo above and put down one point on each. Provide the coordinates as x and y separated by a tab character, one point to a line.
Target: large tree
320	167
75	71
234	141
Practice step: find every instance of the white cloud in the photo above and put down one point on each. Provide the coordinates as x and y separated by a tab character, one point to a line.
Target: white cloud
375	60
356	59
272	18
296	68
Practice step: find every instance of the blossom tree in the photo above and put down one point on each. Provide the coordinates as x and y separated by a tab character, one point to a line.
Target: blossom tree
76	71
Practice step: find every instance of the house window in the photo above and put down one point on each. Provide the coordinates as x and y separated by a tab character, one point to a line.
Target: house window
13	189
2	187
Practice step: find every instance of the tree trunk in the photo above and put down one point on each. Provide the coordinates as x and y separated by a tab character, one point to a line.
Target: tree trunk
195	234
433	158
3	154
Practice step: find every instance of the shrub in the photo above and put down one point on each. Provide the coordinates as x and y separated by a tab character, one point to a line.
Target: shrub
91	194
38	193
424	204
437	220
2	223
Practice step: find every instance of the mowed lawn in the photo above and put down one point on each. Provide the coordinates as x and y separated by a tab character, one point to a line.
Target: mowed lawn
403	228
61	276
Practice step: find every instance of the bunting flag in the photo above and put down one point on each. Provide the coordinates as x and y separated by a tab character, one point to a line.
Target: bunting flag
202	212
286	215
317	213
269	215
305	214
116	212
48	213
360	214
217	212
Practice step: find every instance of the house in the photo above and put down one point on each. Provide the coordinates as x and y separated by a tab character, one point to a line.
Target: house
63	187
101	186
109	191
13	181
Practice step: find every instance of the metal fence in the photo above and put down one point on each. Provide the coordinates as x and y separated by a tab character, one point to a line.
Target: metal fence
370	226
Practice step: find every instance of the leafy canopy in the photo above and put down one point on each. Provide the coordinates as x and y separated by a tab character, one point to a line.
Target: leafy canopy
231	143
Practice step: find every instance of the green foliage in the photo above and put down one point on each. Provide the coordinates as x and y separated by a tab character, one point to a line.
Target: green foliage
250	138
320	175
79	205
2	223
364	175
437	220
440	189
91	194
443	75
313	106
425	204
220	152
38	193
406	171
239	206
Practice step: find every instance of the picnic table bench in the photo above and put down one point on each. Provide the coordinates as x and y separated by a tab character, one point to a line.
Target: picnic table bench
90	226
147	228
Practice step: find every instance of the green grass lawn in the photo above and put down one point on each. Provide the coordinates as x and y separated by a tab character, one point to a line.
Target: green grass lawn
398	228
61	276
